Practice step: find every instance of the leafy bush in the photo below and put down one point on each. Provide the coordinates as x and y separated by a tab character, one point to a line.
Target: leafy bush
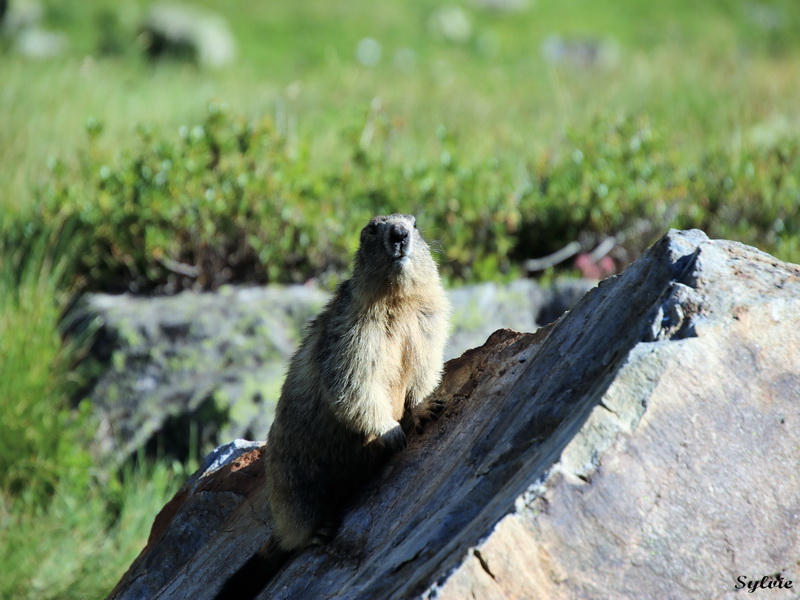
753	197
231	201
217	204
615	179
234	201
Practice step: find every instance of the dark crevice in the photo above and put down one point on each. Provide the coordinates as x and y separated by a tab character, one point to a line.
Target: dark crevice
484	563
400	566
603	404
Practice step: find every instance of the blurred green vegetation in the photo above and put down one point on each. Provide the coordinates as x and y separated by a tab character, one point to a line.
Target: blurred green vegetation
566	121
231	201
66	530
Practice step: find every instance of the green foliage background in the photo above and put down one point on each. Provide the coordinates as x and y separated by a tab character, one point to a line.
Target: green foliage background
120	174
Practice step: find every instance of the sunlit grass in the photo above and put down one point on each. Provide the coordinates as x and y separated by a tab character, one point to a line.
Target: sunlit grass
66	531
706	74
79	542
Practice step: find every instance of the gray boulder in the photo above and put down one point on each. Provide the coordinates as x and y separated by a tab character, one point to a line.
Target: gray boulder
20	23
185	372
523	305
192	368
451	23
188	32
644	446
35	42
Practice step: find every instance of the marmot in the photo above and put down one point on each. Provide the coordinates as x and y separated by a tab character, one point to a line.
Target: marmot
374	353
371	357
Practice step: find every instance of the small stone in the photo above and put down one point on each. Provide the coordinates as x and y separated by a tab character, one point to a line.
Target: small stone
451	23
39	43
368	52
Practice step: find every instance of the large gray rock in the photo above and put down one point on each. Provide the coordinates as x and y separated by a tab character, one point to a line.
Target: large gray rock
522	305
644	446
213	363
209	364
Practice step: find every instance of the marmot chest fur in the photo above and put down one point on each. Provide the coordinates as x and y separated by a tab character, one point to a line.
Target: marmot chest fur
372	354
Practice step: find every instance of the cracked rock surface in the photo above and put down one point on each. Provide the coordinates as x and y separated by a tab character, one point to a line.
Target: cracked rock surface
646	445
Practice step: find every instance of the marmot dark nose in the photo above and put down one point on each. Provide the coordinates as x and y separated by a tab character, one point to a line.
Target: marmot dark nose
398	240
398	234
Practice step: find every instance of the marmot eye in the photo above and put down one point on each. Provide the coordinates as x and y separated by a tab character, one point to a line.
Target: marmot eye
414	219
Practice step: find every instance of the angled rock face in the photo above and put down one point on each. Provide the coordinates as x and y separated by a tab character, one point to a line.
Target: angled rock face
645	445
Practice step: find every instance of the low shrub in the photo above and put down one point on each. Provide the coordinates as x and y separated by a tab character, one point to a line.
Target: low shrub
753	197
235	201
617	178
231	201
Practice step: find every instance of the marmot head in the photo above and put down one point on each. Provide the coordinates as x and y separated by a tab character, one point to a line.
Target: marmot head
392	251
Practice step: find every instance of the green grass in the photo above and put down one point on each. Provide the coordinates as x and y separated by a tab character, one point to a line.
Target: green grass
66	530
79	542
703	73
33	372
502	154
